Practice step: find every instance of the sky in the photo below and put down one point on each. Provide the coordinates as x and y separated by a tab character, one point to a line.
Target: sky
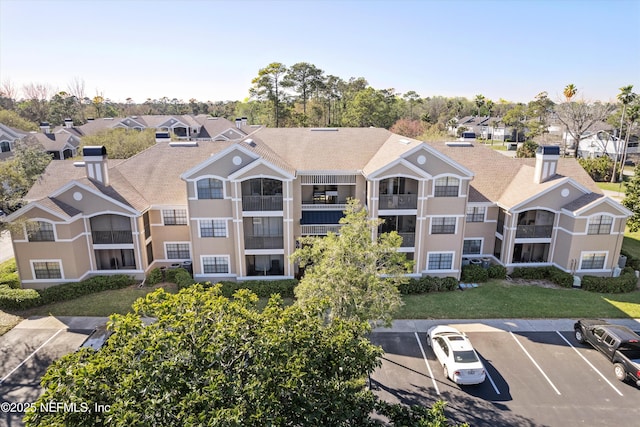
210	50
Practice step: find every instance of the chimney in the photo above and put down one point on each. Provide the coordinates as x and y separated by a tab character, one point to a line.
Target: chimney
44	127
244	121
95	161
238	122
546	163
68	123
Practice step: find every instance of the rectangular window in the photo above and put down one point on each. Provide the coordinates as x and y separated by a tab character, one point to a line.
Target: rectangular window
600	224
174	216
440	261
475	214
42	232
178	251
443	225
446	187
472	247
593	261
215	264
213	228
149	253
47	270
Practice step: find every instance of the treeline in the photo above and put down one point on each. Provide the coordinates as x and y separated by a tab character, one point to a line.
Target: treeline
298	96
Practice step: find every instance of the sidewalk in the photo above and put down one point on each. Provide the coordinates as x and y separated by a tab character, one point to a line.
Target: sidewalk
507	325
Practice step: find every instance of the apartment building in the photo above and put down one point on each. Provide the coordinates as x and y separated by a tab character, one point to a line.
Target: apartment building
235	208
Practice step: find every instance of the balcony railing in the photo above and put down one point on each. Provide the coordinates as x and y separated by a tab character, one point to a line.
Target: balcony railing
408	239
262	203
398	201
110	237
533	231
311	206
318	230
263	242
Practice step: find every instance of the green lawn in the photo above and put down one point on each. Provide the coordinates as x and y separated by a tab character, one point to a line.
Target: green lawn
631	243
612	186
501	299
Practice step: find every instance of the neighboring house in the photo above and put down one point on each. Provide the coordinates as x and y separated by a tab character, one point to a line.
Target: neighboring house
184	127
603	143
61	145
9	137
235	209
485	127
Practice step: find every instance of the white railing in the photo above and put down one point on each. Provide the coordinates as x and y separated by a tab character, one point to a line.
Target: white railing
319	230
324	207
321	179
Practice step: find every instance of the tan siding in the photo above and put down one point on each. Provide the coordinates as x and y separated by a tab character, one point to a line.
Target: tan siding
91	204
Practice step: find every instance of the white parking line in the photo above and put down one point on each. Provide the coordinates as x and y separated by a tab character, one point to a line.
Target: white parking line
492	383
30	356
589	363
426	362
534	362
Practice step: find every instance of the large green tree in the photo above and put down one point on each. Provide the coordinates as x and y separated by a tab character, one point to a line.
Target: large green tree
357	275
122	143
305	79
632	200
19	173
210	360
269	85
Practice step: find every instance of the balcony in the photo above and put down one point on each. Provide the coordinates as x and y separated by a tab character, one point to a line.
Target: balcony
263	242
319	229
398	201
262	203
534	231
110	237
408	239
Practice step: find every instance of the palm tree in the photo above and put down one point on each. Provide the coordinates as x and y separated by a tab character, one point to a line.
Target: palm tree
626	97
570	91
633	115
480	100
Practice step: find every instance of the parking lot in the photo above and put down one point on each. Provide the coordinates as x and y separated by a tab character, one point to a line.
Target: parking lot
27	351
538	374
535	378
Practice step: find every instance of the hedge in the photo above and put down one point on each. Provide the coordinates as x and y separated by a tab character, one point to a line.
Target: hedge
20	299
474	274
262	288
9	274
428	284
626	282
550	273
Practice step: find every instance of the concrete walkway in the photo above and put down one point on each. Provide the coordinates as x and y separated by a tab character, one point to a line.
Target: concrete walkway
6	248
507	325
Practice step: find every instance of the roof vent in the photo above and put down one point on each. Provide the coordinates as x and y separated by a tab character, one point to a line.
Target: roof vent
183	144
212	118
458	144
404	141
323	129
250	141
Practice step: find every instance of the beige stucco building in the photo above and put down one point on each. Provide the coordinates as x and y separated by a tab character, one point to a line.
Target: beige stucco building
234	209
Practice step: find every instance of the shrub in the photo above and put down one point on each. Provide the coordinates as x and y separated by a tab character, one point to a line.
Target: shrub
18	299
550	273
428	284
474	273
262	288
632	261
626	282
600	168
496	271
11	280
92	285
154	277
183	278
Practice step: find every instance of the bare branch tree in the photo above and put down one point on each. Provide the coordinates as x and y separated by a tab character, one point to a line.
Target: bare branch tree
580	116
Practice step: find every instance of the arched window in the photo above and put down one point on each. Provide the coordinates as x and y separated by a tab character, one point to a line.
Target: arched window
447	186
210	188
41	232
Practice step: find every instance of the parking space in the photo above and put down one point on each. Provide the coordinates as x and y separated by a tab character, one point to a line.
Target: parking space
25	354
534	378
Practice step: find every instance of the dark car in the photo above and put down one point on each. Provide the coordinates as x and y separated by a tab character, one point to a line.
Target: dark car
617	343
